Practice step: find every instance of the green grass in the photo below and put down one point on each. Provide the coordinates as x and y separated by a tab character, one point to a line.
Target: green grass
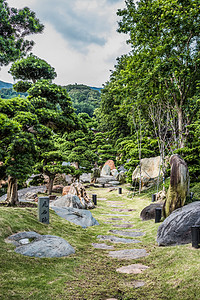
89	273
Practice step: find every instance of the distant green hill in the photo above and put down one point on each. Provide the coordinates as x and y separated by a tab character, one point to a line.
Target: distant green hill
5	85
84	98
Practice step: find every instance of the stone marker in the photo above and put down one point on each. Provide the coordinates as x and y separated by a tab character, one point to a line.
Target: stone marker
128	254
115	239
43	210
132	269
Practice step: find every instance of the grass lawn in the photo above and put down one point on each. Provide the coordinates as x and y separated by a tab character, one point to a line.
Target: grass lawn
174	272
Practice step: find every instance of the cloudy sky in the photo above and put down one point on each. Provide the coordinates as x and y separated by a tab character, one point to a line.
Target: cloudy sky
80	39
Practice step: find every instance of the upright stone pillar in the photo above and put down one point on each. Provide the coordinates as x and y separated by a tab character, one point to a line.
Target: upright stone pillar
43	210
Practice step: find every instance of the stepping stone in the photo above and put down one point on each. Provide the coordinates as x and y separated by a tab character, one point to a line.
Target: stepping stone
128	254
102	199
115	239
127	233
115	202
123	209
102	246
113	205
115	219
116	215
111	299
123	225
132	269
135	284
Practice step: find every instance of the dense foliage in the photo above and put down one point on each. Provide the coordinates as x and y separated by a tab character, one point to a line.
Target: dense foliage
15	25
84	98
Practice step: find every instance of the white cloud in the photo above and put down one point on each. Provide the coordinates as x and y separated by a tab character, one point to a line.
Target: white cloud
80	39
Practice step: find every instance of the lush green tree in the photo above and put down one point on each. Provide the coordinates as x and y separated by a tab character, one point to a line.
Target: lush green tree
50	156
31	68
165	36
78	149
15	25
53	106
17	143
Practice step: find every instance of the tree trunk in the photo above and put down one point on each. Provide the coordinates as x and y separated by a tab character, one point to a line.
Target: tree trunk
12	195
50	187
180	128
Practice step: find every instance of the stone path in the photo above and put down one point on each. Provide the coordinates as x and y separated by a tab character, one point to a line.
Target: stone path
115	239
126	254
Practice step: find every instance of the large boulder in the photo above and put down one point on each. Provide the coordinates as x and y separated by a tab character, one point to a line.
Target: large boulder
95	174
150	170
114	173
106	170
69	201
121	177
110	163
176	228
36	245
79	217
85	178
179	185
149	212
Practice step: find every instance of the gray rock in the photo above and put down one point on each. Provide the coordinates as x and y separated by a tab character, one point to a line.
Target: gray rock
85	178
105	170
114	182
17	237
115	239
148	212
121	177
114	173
41	245
79	217
128	253
127	233
69	201
105	179
176	228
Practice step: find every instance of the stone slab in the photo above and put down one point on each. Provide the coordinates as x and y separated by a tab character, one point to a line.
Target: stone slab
127	233
102	246
115	215
115	239
132	269
123	225
123	209
115	219
128	254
